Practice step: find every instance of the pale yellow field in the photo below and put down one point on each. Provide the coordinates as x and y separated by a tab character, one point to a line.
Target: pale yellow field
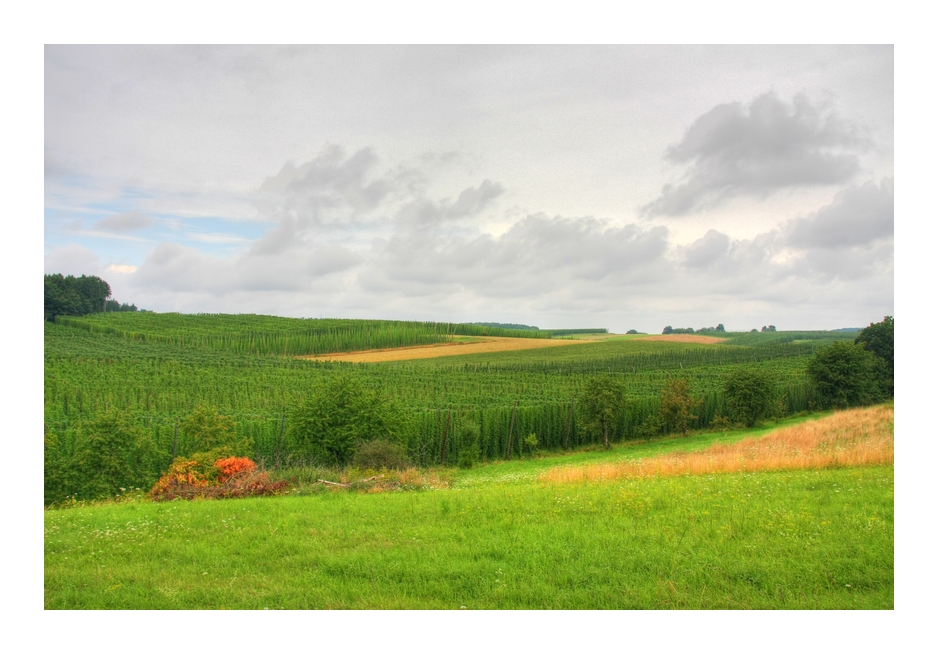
486	344
858	437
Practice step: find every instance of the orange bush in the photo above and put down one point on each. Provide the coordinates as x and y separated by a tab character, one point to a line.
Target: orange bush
236	477
232	466
181	473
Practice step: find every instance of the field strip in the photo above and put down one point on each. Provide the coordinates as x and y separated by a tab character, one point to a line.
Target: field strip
858	437
490	344
682	338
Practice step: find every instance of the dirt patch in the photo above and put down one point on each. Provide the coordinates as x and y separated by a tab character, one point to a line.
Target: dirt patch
489	344
682	338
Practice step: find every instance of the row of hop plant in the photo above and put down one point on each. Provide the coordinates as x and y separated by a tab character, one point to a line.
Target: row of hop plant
269	335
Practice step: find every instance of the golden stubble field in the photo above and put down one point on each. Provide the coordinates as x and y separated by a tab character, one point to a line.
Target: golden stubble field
857	437
458	348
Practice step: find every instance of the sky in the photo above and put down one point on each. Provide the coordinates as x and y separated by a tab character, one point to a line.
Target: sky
626	187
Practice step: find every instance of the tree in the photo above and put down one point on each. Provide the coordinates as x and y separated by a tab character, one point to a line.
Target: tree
74	296
844	375
879	339
677	406
340	415
749	395
602	405
113	453
212	434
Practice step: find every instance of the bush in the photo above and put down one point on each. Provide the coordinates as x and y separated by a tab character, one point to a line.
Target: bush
469	436
112	453
329	425
380	455
207	430
602	406
750	395
232	477
879	339
844	375
677	406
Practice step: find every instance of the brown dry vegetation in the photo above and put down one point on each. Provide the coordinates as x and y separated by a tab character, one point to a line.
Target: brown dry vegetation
858	437
682	338
488	344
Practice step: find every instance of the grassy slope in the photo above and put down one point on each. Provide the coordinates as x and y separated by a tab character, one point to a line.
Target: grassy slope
808	539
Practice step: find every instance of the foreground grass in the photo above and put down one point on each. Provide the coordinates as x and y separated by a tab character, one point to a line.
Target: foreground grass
806	539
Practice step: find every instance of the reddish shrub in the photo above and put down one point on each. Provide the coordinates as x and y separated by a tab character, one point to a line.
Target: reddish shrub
236	477
232	466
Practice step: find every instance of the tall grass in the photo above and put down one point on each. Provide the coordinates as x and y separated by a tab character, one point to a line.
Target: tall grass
858	437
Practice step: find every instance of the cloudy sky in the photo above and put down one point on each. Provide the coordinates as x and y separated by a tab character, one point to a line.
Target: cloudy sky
570	186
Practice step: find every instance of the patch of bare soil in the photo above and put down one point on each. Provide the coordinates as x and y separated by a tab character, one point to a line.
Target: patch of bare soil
682	338
488	344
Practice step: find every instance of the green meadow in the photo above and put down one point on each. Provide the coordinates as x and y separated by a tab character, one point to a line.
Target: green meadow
496	539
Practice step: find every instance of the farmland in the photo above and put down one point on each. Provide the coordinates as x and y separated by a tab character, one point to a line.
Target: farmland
518	531
802	539
158	376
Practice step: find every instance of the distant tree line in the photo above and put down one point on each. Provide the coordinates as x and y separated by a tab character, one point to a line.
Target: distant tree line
690	330
78	296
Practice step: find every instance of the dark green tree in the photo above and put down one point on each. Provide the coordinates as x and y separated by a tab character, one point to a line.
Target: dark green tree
602	405
844	374
113	452
677	406
340	415
74	296
750	395
878	338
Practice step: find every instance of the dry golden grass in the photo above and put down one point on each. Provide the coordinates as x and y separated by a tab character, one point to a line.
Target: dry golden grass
683	338
488	344
858	437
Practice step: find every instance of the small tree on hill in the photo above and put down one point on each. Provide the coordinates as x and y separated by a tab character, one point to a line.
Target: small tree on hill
844	375
332	421
677	406
602	405
749	395
879	339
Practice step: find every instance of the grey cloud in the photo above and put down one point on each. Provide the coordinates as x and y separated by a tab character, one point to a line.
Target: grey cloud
735	150
859	215
704	251
72	259
124	222
473	200
174	267
537	253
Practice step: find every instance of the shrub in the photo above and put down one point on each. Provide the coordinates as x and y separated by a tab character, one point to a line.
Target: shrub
380	455
469	435
844	375
112	452
208	430
330	424
749	395
676	412
233	466
602	405
233	477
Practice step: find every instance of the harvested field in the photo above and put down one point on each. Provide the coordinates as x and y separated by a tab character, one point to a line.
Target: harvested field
487	344
683	338
858	437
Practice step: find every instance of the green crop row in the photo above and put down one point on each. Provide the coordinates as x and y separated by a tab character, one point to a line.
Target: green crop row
271	335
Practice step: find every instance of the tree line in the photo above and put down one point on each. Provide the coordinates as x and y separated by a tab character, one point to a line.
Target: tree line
79	296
